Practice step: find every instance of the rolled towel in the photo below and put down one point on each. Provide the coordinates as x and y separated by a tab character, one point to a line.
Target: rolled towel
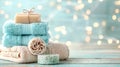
37	46
58	48
13	54
11	40
48	59
25	29
19	54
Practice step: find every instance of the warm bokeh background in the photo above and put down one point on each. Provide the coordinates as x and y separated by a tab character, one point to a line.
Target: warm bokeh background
87	21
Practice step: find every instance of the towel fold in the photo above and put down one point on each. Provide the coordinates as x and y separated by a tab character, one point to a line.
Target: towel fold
11	40
19	54
25	29
37	46
13	54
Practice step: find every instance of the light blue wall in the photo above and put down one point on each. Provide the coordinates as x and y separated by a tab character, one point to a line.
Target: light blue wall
74	29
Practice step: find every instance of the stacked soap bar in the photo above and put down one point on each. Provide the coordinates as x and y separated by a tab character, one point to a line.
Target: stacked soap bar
26	18
20	34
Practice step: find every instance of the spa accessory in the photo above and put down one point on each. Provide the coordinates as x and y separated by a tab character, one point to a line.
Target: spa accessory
48	59
11	40
28	16
19	54
58	48
11	28
37	46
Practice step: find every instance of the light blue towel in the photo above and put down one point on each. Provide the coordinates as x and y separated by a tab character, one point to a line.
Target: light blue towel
11	40
10	27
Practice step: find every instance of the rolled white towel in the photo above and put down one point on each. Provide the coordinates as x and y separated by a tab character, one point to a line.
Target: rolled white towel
37	46
19	54
58	48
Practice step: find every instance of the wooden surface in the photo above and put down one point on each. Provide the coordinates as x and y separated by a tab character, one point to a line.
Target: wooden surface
63	65
69	63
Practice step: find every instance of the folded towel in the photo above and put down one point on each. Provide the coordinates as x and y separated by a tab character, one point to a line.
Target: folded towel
37	46
19	54
11	40
58	48
25	29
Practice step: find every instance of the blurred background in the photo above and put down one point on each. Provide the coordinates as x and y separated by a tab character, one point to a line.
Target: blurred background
72	21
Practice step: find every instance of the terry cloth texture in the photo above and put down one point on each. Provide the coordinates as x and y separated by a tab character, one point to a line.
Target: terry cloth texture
11	40
10	27
58	48
37	46
18	54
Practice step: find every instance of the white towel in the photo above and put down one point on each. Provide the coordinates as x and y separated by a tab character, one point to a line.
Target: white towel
37	46
19	54
58	48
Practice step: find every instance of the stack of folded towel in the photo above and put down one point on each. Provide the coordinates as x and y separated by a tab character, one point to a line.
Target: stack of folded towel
26	40
25	27
20	34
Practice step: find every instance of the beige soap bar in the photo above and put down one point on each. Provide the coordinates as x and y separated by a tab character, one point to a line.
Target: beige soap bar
27	18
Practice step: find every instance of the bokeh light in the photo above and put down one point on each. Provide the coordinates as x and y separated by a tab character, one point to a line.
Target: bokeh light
114	17
81	21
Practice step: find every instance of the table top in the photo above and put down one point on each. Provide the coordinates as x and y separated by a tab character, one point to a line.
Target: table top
88	62
60	65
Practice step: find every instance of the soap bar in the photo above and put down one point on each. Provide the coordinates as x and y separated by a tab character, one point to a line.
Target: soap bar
48	59
27	18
